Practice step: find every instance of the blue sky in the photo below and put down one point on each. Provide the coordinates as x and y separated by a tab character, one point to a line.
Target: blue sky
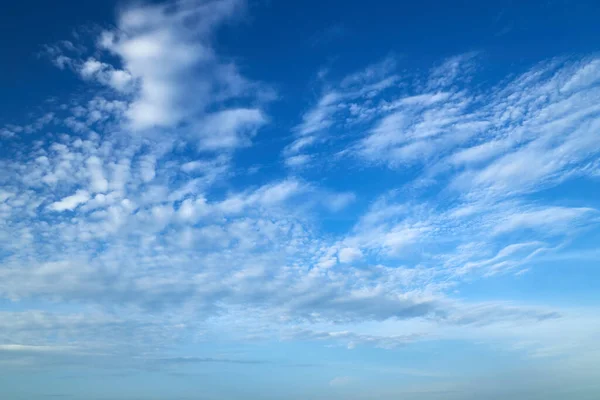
224	199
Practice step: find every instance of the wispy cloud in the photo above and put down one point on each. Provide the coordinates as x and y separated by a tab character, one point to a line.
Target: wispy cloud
341	103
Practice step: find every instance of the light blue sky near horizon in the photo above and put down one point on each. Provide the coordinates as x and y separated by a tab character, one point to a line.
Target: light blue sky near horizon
230	199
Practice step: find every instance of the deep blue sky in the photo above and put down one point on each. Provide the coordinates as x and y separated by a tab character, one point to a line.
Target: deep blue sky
303	35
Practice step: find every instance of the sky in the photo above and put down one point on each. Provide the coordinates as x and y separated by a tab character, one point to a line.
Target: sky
230	199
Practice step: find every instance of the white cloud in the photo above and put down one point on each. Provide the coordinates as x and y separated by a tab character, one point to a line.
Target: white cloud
147	167
98	182
91	67
276	193
5	195
339	201
167	50
586	75
319	118
297	160
106	74
419	131
361	86
340	381
400	237
349	255
194	166
35	349
229	129
547	219
451	69
71	202
479	153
